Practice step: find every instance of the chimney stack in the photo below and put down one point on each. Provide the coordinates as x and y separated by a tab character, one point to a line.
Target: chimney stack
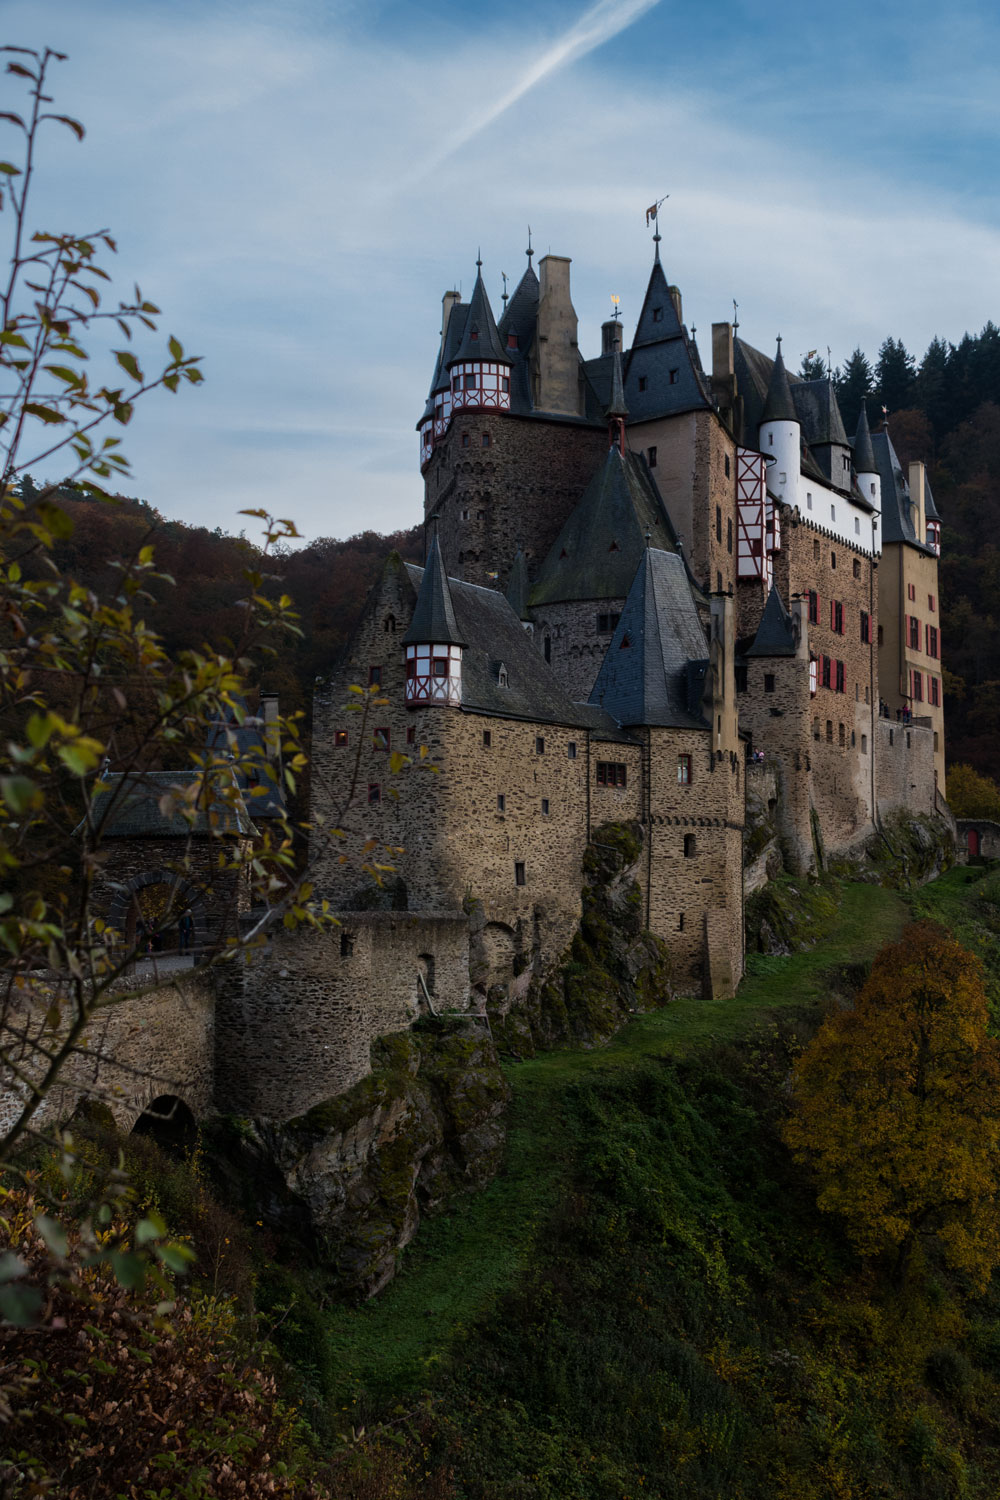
557	358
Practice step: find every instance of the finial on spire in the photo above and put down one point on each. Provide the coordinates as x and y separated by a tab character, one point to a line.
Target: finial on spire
649	536
506	294
736	315
653	212
479	259
779	343
529	252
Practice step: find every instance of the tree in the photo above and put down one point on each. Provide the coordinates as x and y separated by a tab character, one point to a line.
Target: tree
91	702
896	1108
971	795
895	375
853	384
813	367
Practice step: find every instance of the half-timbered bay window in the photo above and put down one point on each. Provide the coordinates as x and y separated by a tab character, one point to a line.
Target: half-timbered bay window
433	674
482	384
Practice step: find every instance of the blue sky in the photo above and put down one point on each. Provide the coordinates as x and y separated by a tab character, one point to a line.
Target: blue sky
297	183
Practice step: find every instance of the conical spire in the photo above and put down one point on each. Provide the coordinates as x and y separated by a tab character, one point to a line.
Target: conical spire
864	453
616	404
779	406
517	586
434	617
480	339
775	633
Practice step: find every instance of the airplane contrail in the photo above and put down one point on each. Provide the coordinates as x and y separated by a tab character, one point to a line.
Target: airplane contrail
597	25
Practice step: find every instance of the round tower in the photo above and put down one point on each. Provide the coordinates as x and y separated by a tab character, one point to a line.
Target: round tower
432	645
479	370
869	479
780	434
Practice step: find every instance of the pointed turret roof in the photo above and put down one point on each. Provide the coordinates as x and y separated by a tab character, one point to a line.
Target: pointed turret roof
818	412
434	615
658	653
775	633
449	350
864	454
662	375
480	338
778	404
518	586
597	551
616	403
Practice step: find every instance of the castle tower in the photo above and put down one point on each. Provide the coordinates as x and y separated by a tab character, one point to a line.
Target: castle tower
869	480
781	434
433	645
479	370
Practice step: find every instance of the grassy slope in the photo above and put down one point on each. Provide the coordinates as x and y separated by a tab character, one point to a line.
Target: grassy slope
460	1264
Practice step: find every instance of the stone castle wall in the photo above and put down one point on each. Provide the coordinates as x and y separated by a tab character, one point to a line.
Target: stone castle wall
498	482
905	767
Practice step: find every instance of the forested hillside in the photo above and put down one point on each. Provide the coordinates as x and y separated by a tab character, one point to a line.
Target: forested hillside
944	410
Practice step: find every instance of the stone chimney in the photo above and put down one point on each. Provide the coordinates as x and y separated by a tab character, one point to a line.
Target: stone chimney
557	360
723	365
917	479
447	303
675	297
611	336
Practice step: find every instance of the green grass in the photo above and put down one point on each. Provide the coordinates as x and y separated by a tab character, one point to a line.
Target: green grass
462	1261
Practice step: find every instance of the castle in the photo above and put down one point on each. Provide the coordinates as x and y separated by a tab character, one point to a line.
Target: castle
641	578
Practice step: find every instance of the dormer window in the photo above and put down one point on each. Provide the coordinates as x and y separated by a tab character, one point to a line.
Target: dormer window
673	376
502	679
512	341
657	314
642	382
474	334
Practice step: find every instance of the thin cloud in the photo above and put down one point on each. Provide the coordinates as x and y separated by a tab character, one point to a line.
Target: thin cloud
596	26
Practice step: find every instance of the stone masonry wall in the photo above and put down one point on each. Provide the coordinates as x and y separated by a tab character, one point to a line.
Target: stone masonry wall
905	766
136	1050
296	1023
576	647
499	482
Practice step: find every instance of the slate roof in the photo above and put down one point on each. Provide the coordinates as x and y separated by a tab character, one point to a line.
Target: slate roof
494	637
864	455
655	668
661	357
480	338
616	401
819	412
434	617
778	403
135	813
599	548
453	336
929	506
775	633
897	510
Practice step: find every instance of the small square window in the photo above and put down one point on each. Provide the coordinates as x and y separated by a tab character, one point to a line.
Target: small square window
374	793
571	750
833	559
465	439
487	738
486	440
727	466
374	676
683	770
539	745
673	376
690	846
519	877
657	314
545	807
380	738
652	458
769	682
642	382
857	568
411	735
346	944
501	802
340	738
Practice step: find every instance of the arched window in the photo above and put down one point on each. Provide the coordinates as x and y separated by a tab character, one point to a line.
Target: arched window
389	626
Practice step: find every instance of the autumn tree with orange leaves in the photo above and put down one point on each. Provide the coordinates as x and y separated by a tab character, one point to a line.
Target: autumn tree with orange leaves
897	1109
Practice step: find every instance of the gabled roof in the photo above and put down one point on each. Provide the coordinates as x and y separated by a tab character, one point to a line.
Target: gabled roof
864	456
778	403
654	670
480	338
434	617
133	802
819	412
775	633
599	548
662	375
897	509
495	638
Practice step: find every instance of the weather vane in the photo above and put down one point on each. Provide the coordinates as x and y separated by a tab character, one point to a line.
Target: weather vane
653	212
615	300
